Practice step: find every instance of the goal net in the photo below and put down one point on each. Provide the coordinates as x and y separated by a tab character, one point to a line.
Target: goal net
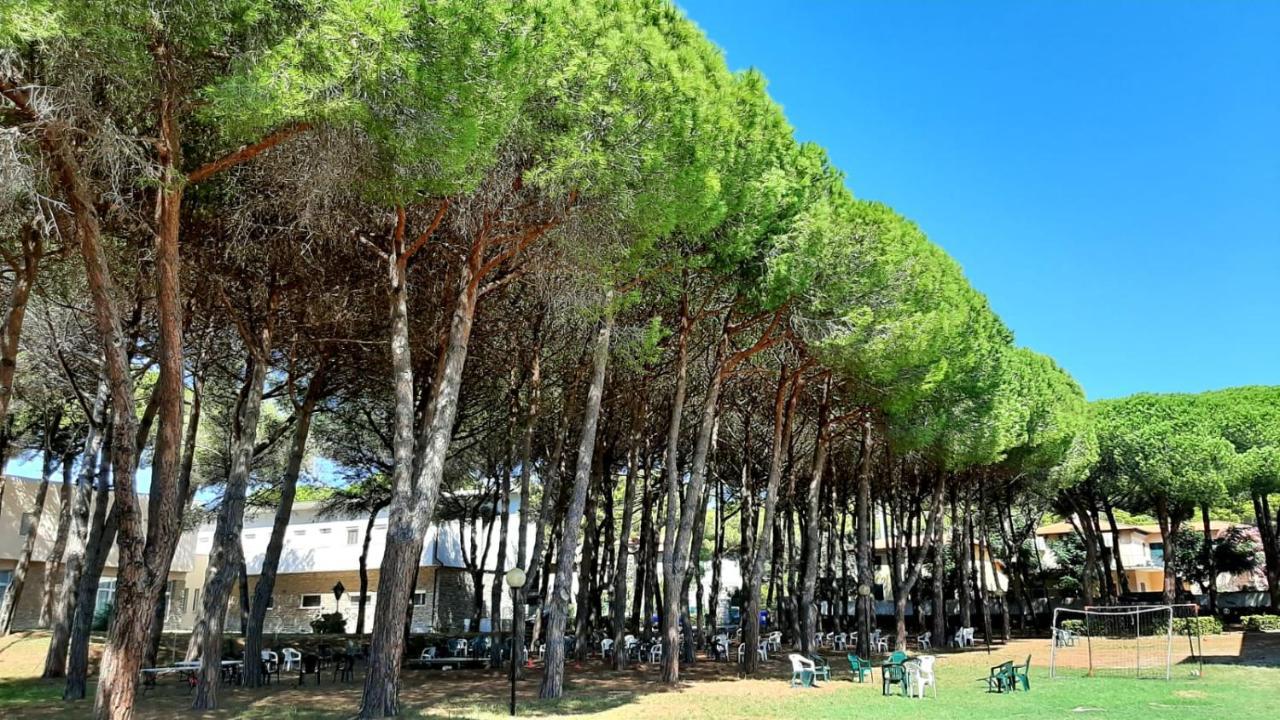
1142	641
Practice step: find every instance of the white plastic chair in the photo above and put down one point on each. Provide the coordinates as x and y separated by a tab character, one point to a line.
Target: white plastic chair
292	659
879	642
428	653
968	637
920	675
655	653
924	640
775	640
606	648
840	641
799	666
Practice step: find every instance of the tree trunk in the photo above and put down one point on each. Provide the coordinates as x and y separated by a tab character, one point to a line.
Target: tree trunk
553	676
534	374
19	578
1211	561
24	279
866	579
1168	529
813	527
1270	546
56	566
415	476
187	491
1121	576
64	605
618	605
102	534
500	568
227	553
674	573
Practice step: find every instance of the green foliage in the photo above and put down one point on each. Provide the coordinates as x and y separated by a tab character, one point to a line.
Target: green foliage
1261	623
1233	553
102	617
329	624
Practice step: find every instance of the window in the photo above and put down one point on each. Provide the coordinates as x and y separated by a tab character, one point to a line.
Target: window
325	531
299	532
1157	554
310	601
106	594
353	536
419	599
28	521
6	577
367	600
249	536
195	600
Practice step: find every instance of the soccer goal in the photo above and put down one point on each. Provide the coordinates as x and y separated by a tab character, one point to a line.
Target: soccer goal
1142	641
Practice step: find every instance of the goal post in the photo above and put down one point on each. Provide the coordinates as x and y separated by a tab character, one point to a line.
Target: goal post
1142	641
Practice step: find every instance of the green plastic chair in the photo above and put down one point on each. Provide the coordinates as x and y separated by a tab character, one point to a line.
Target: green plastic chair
860	668
893	674
1001	677
897	658
821	668
1021	674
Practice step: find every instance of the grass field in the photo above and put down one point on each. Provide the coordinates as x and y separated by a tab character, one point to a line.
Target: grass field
1241	681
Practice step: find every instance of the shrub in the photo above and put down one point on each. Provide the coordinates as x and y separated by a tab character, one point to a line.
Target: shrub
1261	622
102	618
1075	626
329	624
1202	625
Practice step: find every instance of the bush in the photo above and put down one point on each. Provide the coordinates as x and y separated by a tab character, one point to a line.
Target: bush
1202	625
1261	622
1075	626
102	618
330	624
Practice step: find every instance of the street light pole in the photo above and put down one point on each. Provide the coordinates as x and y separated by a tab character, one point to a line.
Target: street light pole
515	580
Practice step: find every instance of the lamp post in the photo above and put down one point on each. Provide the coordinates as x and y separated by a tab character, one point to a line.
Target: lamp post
515	581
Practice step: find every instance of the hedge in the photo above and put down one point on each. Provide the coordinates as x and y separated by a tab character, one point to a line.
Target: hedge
1261	622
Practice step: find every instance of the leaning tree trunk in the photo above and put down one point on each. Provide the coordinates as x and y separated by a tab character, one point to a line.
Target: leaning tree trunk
265	586
500	567
102	534
64	604
227	553
674	574
19	578
558	615
56	566
187	491
24	279
1169	527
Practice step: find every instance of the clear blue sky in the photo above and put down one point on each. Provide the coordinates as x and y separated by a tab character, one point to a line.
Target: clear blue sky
1107	172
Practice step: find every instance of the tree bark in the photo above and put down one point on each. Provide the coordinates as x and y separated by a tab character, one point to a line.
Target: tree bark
19	578
675	571
813	526
534	376
553	676
866	578
415	475
618	605
1121	576
64	605
783	408
227	553
56	566
24	279
1210	559
102	533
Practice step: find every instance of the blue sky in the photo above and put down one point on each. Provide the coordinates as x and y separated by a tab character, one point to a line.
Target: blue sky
1107	172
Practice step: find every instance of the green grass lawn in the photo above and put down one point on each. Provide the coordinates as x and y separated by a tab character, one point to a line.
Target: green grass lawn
1241	681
